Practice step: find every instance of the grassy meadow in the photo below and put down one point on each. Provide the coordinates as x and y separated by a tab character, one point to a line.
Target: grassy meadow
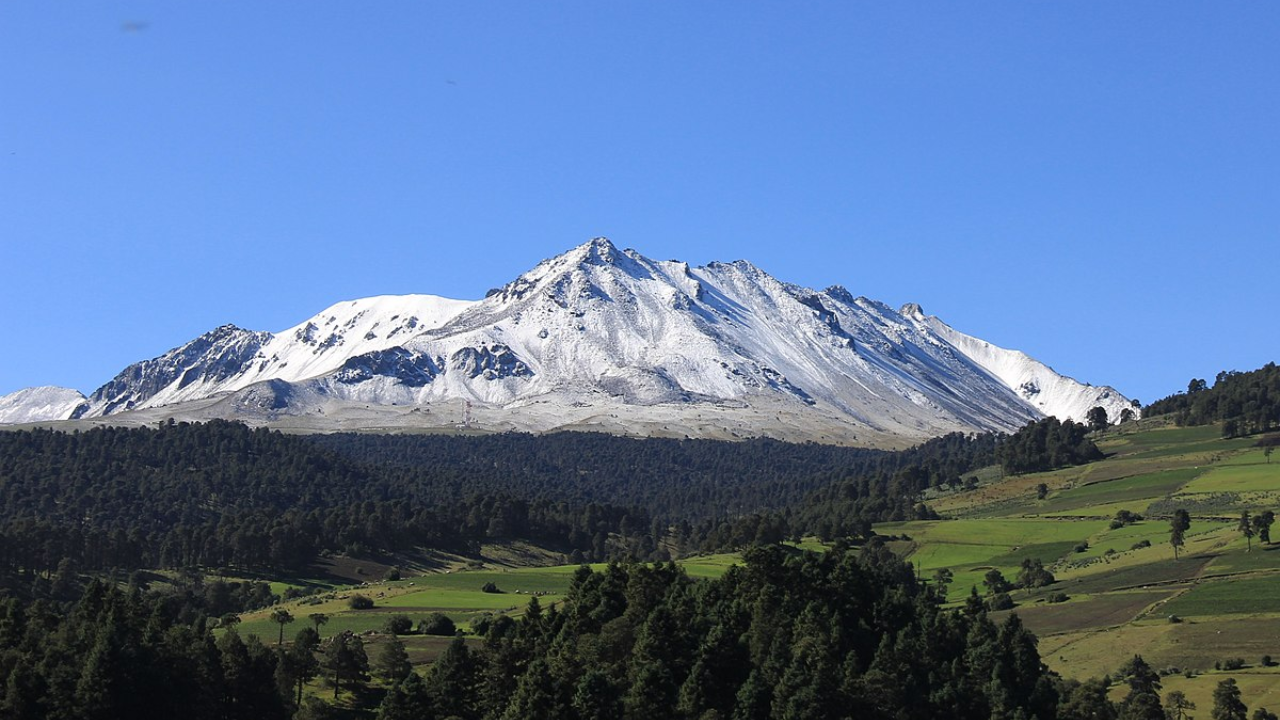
1126	594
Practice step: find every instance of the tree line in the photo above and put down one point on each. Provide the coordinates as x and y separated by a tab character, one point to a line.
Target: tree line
1245	402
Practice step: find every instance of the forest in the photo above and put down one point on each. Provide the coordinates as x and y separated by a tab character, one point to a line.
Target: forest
850	633
1246	403
85	516
219	494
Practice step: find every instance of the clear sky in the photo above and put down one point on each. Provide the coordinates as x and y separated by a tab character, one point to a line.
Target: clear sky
1095	183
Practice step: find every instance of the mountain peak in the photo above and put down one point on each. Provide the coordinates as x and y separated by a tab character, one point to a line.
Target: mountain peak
602	338
912	310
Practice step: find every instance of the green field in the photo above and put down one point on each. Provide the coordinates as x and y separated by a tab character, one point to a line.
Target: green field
457	594
1125	584
1122	584
1234	596
1139	490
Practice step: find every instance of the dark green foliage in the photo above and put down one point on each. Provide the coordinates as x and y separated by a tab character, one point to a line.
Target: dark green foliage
1178	526
360	602
1123	518
1262	523
1085	701
785	636
406	700
1177	706
1246	528
995	582
1245	402
392	663
1046	445
1033	574
224	496
437	624
220	494
1097	418
453	683
123	653
1226	702
690	479
398	624
344	659
1143	700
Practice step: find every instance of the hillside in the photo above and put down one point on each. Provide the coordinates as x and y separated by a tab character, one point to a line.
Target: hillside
1126	593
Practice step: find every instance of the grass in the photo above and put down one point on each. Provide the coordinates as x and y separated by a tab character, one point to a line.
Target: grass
1233	596
1239	477
1138	490
1121	595
1081	613
457	594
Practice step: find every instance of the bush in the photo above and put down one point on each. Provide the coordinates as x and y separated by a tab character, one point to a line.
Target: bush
1082	546
1057	597
1233	664
392	575
480	626
437	624
490	587
360	602
1000	601
1267	661
1174	619
1141	544
399	625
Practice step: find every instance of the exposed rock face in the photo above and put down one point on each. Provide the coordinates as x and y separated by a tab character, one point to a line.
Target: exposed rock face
609	338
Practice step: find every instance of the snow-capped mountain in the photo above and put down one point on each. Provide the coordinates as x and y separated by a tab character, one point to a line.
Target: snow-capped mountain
38	404
603	338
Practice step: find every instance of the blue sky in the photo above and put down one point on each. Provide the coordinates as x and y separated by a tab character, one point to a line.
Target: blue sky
1095	183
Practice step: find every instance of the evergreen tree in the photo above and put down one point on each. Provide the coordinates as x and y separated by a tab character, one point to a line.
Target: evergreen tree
596	698
1176	706
1245	526
282	617
318	619
1143	700
392	664
1086	701
1178	527
344	659
1262	523
535	696
1226	702
406	700
453	682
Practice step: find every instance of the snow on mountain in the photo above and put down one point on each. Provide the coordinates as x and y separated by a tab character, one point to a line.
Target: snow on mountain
602	338
230	358
40	404
1033	381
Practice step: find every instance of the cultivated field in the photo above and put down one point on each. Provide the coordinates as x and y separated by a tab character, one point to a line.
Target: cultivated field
1123	584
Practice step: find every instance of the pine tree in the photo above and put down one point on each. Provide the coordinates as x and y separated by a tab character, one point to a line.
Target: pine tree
392	664
1178	527
1226	702
595	697
406	700
1245	526
453	682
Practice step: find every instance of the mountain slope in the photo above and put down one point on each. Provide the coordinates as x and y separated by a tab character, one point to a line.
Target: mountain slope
604	338
40	404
